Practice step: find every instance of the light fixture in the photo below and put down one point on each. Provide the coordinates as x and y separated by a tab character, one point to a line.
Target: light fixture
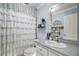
53	9
26	3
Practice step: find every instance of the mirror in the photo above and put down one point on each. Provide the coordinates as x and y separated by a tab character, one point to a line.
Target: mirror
67	14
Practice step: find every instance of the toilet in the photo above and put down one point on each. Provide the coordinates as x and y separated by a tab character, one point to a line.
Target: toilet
30	52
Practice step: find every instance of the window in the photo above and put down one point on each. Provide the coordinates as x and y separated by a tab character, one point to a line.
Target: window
70	27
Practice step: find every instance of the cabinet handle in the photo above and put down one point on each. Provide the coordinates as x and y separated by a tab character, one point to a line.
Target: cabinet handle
40	49
78	55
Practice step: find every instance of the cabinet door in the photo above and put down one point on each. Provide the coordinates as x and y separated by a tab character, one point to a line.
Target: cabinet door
38	54
54	53
42	50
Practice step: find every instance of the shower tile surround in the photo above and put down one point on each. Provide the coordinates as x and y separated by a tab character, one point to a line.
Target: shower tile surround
17	28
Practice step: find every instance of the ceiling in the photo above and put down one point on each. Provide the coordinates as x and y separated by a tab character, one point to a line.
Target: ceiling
36	5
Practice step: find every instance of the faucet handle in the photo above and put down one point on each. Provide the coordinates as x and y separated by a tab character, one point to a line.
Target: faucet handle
57	40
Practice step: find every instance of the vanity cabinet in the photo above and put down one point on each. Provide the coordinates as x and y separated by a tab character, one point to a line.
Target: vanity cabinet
42	50
54	53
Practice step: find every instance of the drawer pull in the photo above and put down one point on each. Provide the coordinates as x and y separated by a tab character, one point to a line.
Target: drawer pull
40	49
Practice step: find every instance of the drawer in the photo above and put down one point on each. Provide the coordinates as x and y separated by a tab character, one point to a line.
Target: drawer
54	53
38	54
42	50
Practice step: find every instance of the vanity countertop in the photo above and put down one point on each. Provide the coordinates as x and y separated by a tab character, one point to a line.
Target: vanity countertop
70	50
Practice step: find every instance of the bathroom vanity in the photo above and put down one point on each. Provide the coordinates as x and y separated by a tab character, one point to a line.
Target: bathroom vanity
43	49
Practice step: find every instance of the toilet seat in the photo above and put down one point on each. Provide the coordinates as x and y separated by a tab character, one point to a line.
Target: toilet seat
29	51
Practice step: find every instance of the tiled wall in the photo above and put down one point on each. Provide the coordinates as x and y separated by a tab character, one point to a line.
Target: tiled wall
17	28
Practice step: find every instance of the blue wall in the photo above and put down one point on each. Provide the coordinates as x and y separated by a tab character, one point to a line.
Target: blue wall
43	12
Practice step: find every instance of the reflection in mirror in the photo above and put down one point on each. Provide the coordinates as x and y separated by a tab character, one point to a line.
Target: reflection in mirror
67	14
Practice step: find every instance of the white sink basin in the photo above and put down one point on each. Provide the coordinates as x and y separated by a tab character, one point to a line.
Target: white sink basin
56	44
